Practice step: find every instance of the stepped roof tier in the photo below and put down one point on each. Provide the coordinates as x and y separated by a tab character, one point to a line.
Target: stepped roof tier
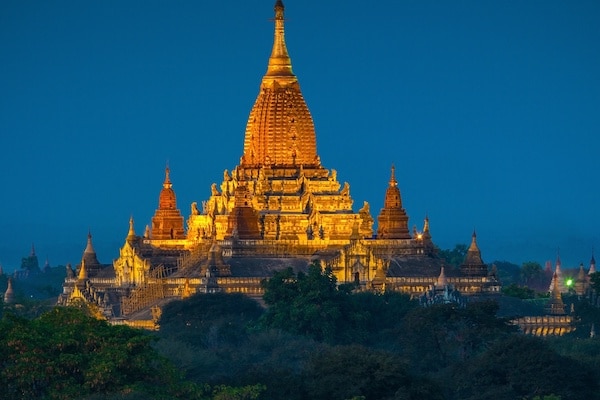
167	222
393	221
89	254
473	264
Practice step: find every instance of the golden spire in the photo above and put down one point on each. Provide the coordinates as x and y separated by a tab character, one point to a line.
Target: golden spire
167	183
474	246
280	63
393	199
393	181
82	271
392	220
131	233
473	264
167	199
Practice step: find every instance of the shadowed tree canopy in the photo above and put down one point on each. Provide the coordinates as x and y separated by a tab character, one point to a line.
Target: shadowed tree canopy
313	305
66	354
520	292
455	256
307	304
523	367
595	281
345	372
438	336
209	319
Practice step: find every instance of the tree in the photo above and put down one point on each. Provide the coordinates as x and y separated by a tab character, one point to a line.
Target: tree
531	273
66	354
522	367
507	272
308	304
345	372
456	256
313	305
595	281
238	393
441	335
520	292
208	320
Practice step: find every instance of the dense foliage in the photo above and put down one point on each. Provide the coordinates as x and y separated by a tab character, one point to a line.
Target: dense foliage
316	340
319	340
523	367
454	256
313	305
520	292
66	354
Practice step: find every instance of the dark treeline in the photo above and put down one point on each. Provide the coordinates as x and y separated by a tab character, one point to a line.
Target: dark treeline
318	340
315	340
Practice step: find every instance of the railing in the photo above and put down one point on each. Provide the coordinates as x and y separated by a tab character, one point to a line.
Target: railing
191	259
142	296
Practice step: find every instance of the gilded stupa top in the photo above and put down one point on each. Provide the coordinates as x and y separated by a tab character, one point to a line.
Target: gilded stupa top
167	199
473	253
393	199
280	64
280	129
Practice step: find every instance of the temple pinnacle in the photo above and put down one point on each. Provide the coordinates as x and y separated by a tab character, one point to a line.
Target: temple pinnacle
280	64
393	181
167	184
131	234
89	248
473	246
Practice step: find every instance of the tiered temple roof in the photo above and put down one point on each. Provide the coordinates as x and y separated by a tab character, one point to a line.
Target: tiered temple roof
392	220
279	208
167	222
473	264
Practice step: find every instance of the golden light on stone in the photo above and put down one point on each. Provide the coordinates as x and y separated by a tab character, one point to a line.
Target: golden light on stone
278	206
294	197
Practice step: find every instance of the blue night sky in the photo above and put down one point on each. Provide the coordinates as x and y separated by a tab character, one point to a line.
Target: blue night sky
490	111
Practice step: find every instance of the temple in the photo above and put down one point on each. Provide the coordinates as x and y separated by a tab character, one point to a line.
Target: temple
279	207
554	322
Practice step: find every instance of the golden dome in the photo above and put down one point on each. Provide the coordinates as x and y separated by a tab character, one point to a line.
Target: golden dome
280	128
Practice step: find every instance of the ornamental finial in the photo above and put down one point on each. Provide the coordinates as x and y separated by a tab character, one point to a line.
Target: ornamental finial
280	64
